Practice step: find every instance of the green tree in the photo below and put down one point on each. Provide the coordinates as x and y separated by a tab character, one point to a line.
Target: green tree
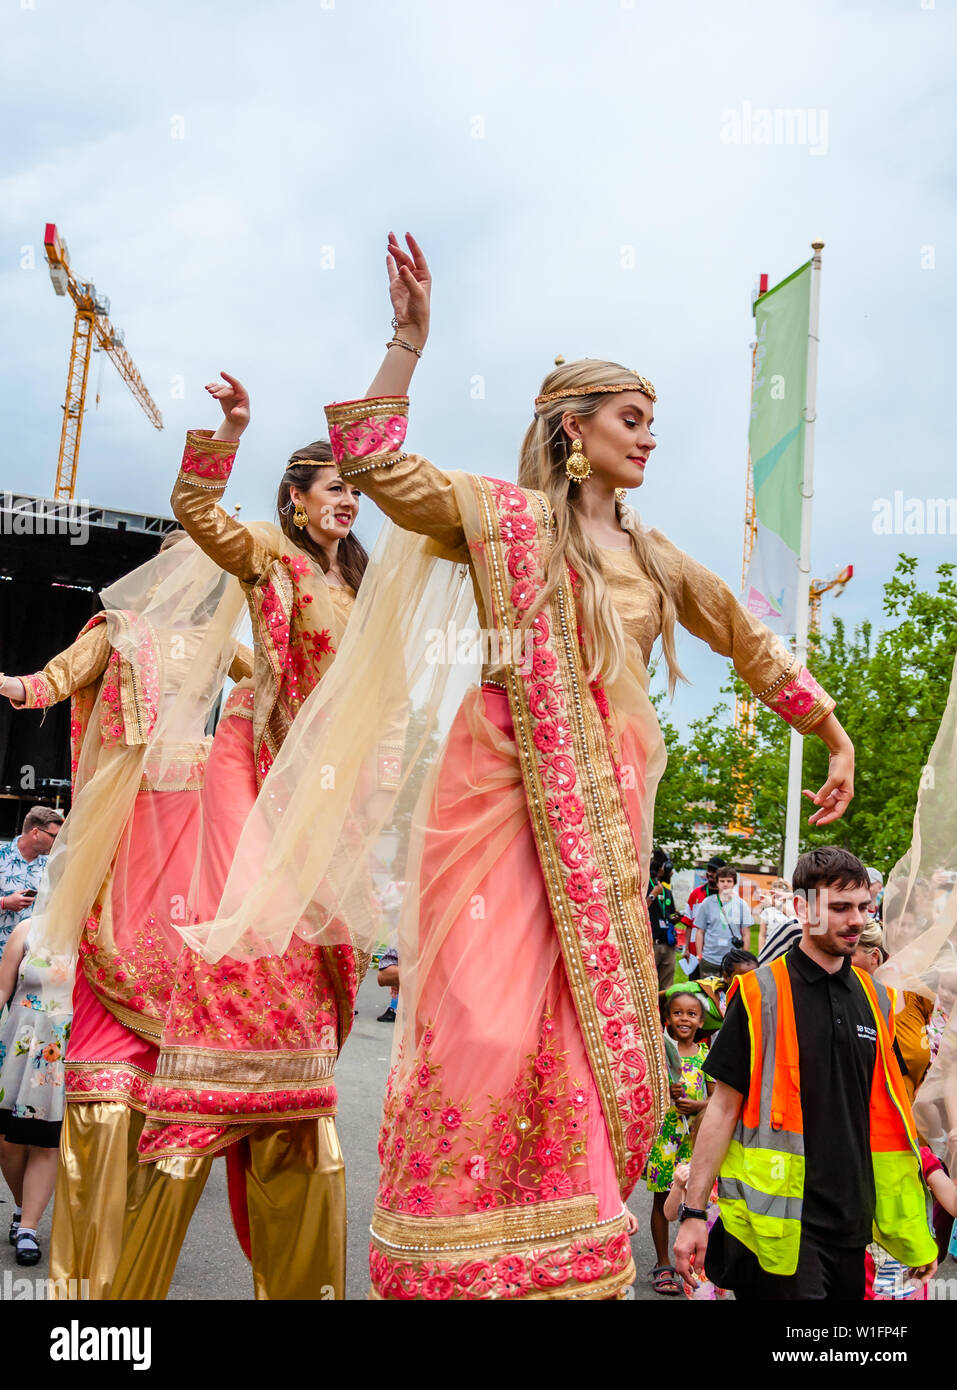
890	693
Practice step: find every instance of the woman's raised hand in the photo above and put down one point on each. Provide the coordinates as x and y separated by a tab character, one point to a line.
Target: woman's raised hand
410	288
234	400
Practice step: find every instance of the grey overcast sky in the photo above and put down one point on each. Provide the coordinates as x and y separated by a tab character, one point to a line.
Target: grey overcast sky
586	176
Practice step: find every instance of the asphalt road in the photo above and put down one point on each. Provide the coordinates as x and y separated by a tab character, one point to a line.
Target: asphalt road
212	1266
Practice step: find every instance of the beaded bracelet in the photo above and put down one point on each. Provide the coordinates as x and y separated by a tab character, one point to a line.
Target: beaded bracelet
400	342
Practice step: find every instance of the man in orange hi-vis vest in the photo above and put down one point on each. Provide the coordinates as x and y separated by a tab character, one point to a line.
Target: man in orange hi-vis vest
809	1130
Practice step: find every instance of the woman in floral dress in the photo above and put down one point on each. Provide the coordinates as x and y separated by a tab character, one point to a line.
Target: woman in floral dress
33	1039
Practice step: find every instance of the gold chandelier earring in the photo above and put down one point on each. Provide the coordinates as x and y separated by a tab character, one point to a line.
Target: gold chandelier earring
300	516
621	493
577	467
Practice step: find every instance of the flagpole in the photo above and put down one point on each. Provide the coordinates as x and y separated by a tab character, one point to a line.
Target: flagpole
795	802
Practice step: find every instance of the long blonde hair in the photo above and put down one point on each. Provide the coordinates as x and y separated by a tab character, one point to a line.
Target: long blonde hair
541	466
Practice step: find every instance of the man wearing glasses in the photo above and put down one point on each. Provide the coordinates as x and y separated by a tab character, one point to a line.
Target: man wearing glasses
22	862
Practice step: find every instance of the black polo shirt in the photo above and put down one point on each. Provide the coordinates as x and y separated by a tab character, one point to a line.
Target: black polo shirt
837	1046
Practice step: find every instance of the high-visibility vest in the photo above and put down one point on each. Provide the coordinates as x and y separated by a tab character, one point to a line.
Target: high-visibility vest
761	1182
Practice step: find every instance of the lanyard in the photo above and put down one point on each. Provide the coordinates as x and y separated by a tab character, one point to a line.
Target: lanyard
723	917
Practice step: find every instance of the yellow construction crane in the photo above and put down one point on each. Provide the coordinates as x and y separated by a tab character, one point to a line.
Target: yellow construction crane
824	586
92	332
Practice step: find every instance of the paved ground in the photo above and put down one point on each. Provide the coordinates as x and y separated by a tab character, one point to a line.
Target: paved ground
212	1266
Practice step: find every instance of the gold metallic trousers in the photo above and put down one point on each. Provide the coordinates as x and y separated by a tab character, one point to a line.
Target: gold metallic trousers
296	1206
99	1184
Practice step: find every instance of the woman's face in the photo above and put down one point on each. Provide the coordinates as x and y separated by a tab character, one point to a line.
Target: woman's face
617	439
866	958
331	504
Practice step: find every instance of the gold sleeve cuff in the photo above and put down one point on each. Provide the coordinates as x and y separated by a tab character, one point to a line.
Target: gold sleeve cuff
797	698
367	434
207	462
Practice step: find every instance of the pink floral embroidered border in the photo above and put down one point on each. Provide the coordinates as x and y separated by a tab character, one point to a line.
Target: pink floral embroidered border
374	435
296	1103
204	463
546	1269
800	698
87	1081
39	693
621	1036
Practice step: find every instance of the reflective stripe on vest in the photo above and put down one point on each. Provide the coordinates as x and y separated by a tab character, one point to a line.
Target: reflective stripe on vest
761	1182
900	1212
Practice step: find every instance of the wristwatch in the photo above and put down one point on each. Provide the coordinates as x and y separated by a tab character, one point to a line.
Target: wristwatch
691	1214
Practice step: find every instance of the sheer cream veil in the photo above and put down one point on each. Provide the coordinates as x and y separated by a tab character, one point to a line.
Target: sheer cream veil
173	626
321	828
920	916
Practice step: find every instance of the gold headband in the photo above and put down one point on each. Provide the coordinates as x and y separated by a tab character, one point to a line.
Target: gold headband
641	383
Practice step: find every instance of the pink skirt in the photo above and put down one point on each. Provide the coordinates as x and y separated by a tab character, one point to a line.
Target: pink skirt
245	1040
492	1108
107	1058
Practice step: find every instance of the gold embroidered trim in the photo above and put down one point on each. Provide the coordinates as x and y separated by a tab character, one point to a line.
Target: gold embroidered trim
150	1029
818	711
212	1069
193	481
169	1156
347	412
608	825
526	1225
347	470
237	712
792	669
203	441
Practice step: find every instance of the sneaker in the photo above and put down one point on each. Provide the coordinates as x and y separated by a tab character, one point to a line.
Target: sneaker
14	1230
387	1017
28	1249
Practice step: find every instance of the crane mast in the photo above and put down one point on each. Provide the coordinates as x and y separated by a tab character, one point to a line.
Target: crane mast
92	332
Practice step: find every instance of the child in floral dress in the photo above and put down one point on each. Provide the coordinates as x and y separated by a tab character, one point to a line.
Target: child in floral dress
684	1016
33	1039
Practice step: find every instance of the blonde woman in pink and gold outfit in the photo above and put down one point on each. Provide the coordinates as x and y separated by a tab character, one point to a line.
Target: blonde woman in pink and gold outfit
528	1076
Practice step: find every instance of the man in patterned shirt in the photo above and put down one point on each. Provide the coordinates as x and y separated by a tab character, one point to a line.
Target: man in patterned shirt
22	862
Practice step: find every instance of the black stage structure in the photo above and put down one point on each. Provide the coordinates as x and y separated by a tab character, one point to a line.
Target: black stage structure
54	559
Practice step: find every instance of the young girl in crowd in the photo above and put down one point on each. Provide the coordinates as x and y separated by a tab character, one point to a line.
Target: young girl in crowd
683	1018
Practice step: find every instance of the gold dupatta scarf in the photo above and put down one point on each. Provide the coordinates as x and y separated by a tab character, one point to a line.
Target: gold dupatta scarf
172	627
583	827
305	858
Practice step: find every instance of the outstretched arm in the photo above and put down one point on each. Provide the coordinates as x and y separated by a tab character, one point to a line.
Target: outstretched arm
81	664
207	463
410	289
707	607
367	434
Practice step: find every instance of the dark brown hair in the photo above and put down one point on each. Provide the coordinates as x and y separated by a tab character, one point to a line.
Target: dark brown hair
301	472
726	872
828	867
39	817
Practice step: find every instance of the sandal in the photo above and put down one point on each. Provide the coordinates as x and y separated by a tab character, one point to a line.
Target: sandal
664	1280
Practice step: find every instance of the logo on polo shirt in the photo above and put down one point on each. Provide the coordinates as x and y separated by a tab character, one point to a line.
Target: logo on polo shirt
867	1033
